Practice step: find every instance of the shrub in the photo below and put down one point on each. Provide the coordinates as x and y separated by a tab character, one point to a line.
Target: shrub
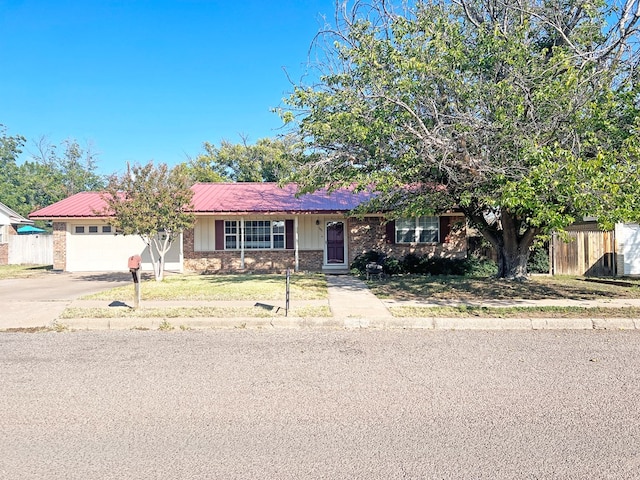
480	267
359	264
392	266
411	263
539	259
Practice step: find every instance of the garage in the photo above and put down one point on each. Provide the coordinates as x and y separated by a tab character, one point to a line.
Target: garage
95	248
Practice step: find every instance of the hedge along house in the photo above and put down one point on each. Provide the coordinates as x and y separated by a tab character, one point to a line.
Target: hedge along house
264	227
243	227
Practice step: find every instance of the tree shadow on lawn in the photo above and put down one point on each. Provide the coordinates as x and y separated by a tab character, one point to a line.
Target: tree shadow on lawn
467	288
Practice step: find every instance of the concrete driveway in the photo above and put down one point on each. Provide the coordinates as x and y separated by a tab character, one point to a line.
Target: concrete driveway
39	301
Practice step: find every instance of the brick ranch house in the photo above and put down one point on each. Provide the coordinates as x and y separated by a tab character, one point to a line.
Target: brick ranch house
253	227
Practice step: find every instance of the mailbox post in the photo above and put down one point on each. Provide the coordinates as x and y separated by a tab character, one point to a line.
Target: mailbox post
134	266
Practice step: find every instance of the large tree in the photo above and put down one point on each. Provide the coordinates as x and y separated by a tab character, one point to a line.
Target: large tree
47	176
513	111
10	149
153	202
268	160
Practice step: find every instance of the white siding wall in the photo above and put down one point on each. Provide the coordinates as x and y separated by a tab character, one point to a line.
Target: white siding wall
310	235
91	252
628	248
204	234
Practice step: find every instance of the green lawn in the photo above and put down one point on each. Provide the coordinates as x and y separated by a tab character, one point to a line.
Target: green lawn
516	312
21	271
271	288
224	287
195	312
417	287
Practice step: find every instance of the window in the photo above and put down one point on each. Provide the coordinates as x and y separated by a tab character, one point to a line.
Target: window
417	230
278	234
258	234
80	229
231	231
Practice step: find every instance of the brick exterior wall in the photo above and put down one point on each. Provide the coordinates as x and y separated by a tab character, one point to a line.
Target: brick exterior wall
222	261
59	246
363	235
4	247
370	234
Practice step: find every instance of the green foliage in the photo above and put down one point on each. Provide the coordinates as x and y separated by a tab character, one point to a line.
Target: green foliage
47	176
10	191
539	259
412	263
152	202
268	160
359	264
521	114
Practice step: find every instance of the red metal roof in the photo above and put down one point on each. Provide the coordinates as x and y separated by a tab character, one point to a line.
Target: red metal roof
232	198
269	197
84	204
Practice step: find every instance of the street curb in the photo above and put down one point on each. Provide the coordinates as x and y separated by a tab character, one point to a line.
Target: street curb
349	323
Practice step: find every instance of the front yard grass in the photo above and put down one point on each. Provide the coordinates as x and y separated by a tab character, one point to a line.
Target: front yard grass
479	289
194	312
268	288
22	271
419	287
516	312
223	287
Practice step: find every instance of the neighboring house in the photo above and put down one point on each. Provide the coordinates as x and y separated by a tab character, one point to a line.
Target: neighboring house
593	252
9	223
255	227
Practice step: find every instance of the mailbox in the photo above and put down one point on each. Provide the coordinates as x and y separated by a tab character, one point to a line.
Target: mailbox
134	262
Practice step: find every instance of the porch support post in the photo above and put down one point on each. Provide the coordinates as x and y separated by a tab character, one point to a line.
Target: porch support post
296	245
242	243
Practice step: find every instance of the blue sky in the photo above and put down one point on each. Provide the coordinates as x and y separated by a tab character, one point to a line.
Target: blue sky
150	80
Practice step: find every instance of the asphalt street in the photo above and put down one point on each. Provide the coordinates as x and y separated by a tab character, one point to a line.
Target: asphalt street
320	404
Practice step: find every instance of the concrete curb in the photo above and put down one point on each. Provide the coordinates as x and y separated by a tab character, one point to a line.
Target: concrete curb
349	323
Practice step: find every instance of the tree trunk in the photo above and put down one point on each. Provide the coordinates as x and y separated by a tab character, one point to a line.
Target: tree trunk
511	240
512	265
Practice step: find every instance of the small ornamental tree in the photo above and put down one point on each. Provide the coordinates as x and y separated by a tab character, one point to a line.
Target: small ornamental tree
523	114
153	202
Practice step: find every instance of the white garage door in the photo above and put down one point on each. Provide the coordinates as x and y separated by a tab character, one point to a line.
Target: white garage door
109	253
628	240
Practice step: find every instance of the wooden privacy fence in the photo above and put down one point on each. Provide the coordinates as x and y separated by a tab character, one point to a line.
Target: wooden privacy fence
30	249
588	252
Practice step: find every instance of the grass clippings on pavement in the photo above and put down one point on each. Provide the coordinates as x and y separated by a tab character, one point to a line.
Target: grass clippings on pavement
420	287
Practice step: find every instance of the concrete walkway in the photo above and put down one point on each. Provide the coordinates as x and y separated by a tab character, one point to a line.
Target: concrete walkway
352	301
